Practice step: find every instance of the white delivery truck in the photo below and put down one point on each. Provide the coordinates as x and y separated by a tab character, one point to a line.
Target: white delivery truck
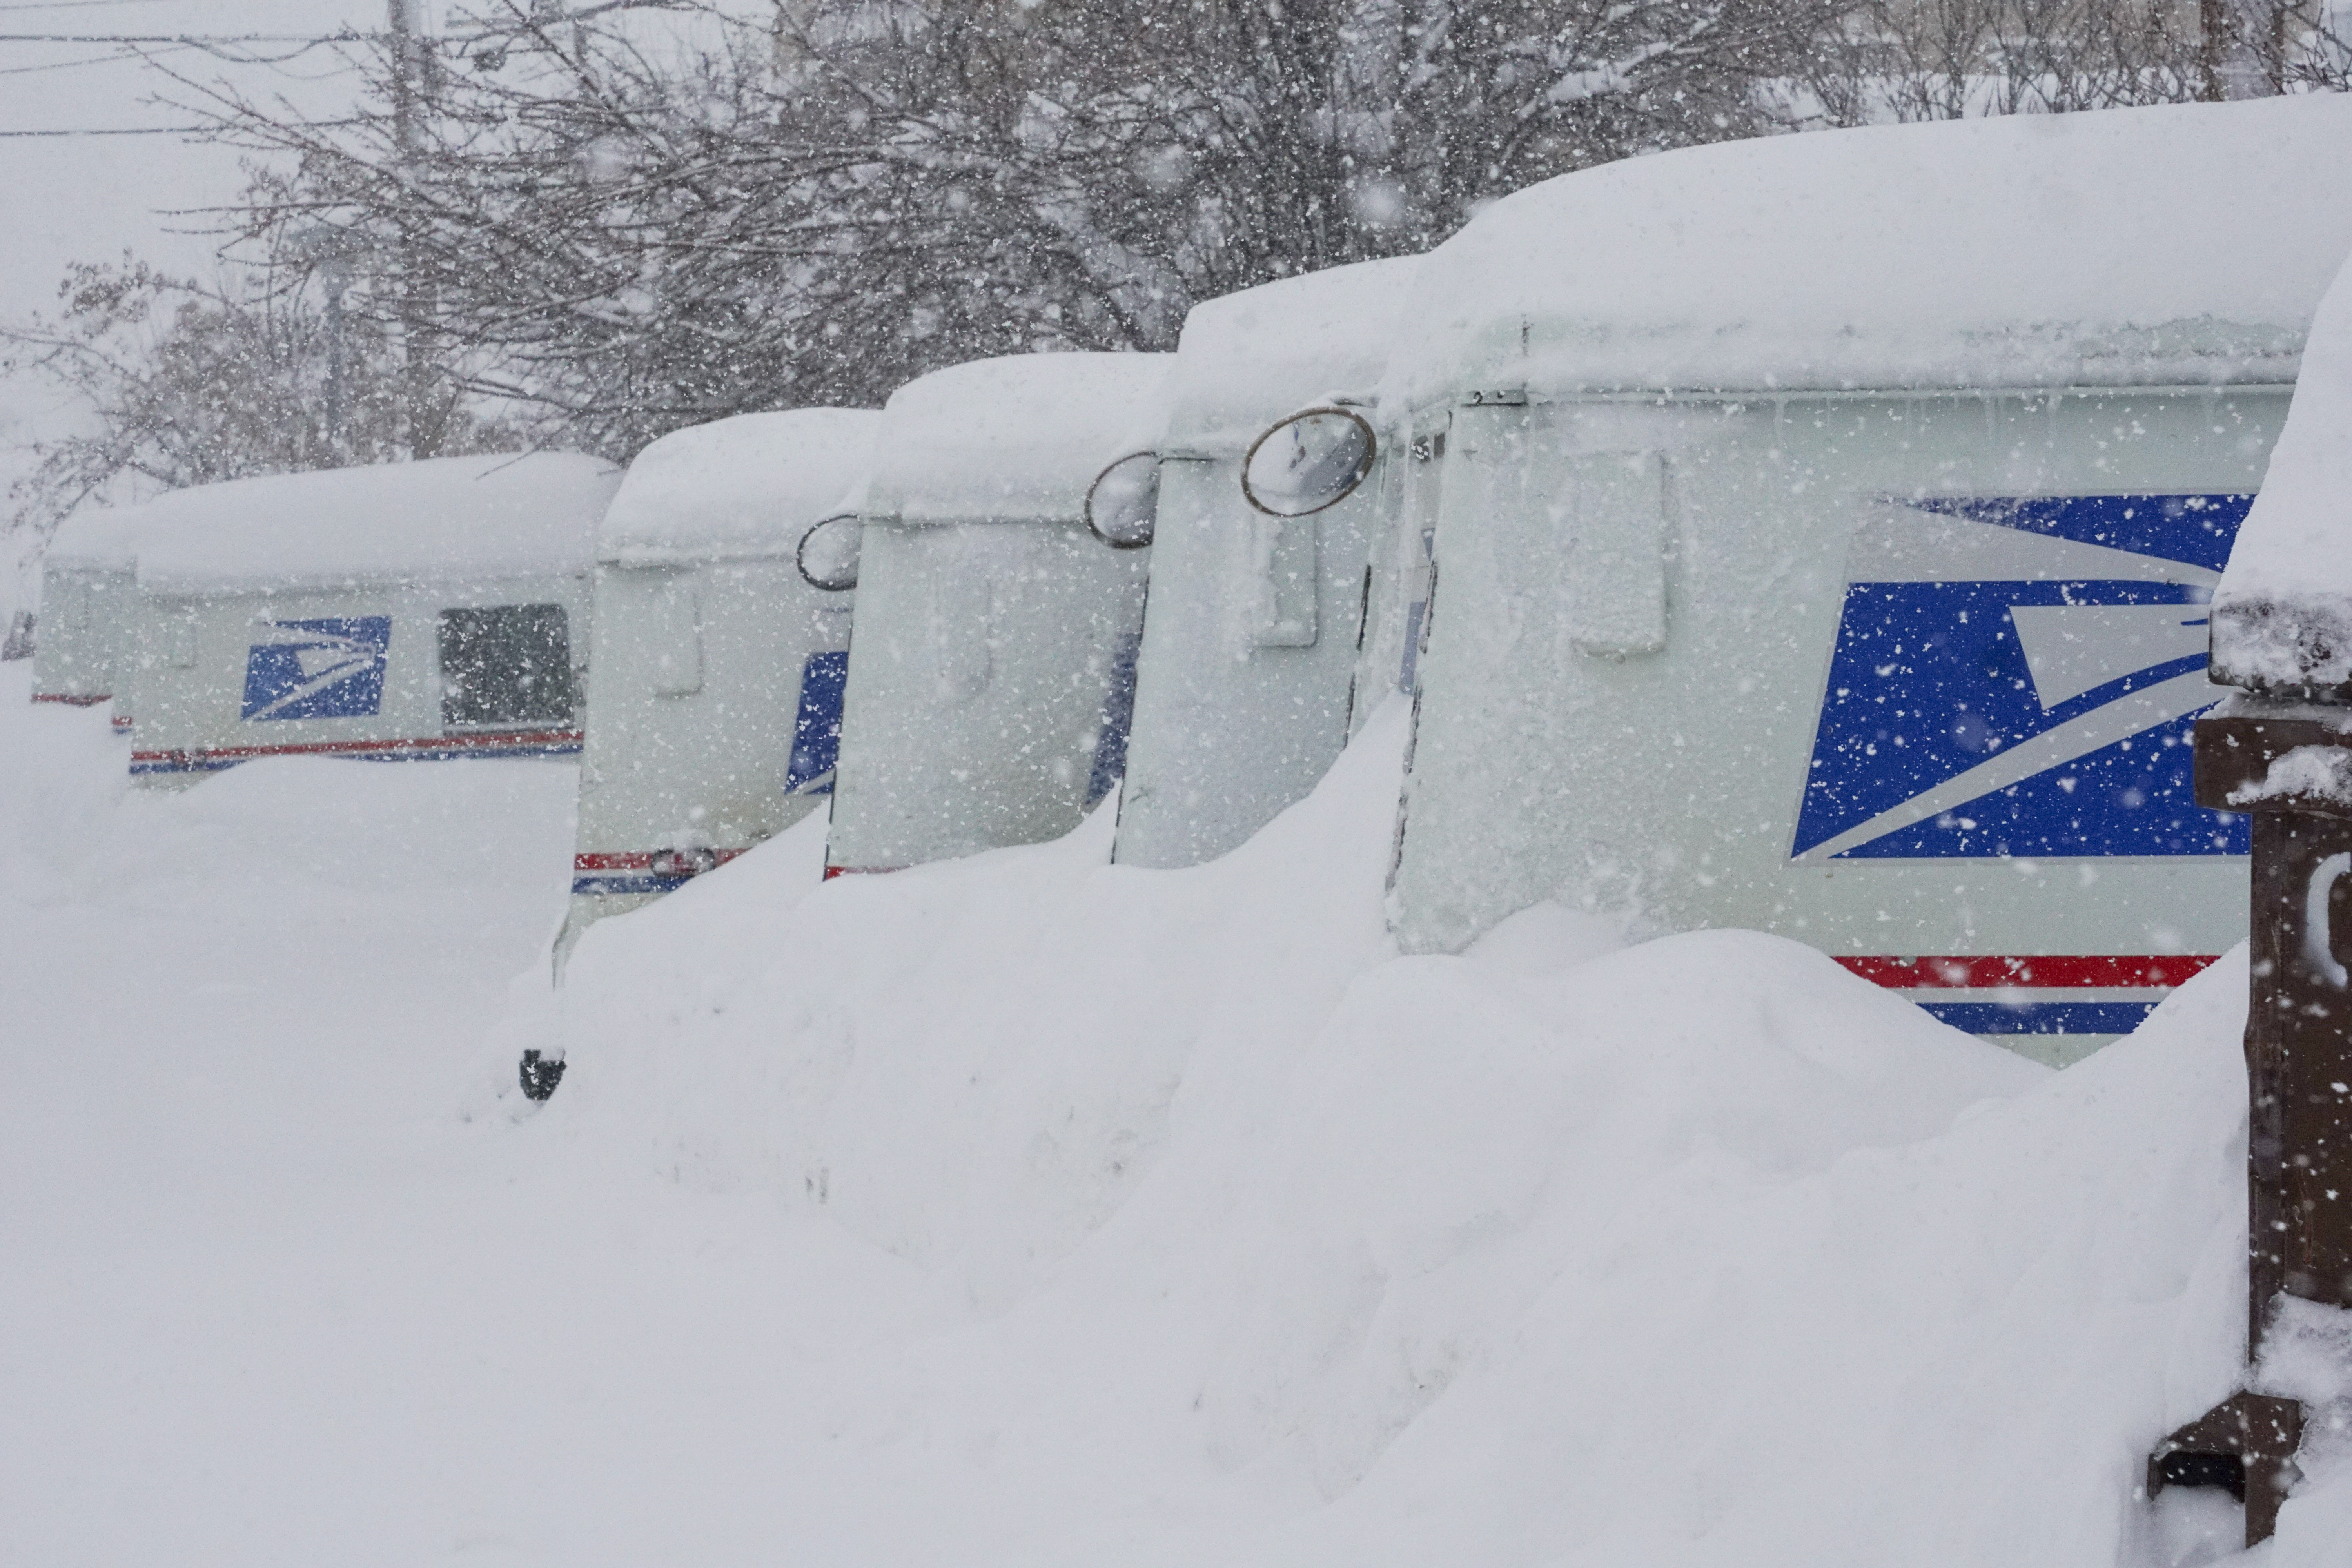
404	612
1273	486
726	570
89	590
1823	531
993	668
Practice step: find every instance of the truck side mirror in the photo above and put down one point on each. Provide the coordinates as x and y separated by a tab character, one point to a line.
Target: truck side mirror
1313	459
827	556
1123	503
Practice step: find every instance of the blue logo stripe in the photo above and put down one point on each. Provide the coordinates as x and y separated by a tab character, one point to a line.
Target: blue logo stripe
622	883
1118	715
2041	1017
2198	530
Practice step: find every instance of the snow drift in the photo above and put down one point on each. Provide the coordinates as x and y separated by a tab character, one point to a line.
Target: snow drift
1279	1247
1028	1209
2283	614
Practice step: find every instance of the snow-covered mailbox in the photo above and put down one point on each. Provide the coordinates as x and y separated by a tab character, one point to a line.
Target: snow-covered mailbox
994	661
406	612
1259	591
89	604
1824	535
726	571
2280	749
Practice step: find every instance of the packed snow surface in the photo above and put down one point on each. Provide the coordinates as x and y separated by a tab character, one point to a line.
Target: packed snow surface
2133	247
2283	614
1025	1209
739	488
1016	439
515	514
1249	358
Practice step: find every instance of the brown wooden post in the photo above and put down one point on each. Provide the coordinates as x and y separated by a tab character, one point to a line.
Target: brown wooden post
2289	765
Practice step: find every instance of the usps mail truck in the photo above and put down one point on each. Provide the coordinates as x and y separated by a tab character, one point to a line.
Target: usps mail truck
993	674
726	570
88	611
1823	533
406	612
1272	484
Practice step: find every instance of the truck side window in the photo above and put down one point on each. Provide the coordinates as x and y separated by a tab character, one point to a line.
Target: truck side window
505	664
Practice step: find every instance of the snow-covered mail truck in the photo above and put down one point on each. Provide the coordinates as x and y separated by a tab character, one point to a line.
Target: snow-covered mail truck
1823	533
1261	577
726	570
994	668
404	612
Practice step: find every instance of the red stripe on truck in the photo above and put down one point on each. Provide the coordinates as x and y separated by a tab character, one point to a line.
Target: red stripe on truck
2054	970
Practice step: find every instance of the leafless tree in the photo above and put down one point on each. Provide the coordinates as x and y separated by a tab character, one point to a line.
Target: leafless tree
625	217
638	226
1944	59
186	384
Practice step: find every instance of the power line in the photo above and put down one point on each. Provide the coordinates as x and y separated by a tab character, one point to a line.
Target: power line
120	58
118	130
177	130
198	38
127	56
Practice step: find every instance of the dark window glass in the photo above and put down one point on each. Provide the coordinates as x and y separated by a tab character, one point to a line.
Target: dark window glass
508	664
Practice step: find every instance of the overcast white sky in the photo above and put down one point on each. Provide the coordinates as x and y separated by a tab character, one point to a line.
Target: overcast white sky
68	197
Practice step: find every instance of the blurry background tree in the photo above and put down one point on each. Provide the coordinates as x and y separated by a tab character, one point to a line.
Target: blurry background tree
634	232
189	383
589	222
1942	60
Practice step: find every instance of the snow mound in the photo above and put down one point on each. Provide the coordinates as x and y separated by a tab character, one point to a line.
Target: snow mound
100	539
737	489
1280	1248
2135	247
1025	1209
462	518
1249	358
1014	439
2283	614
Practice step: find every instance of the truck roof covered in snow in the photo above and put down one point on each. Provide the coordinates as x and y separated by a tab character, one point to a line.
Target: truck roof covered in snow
446	518
747	485
2283	614
1250	358
99	538
1016	439
2142	247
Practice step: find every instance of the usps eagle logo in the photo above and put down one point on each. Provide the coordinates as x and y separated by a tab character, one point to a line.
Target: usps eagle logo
331	668
2020	677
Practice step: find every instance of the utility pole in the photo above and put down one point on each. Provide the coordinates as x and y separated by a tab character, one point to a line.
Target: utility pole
419	389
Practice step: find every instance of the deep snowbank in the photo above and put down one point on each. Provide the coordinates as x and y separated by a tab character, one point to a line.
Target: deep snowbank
1695	1251
1026	1209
